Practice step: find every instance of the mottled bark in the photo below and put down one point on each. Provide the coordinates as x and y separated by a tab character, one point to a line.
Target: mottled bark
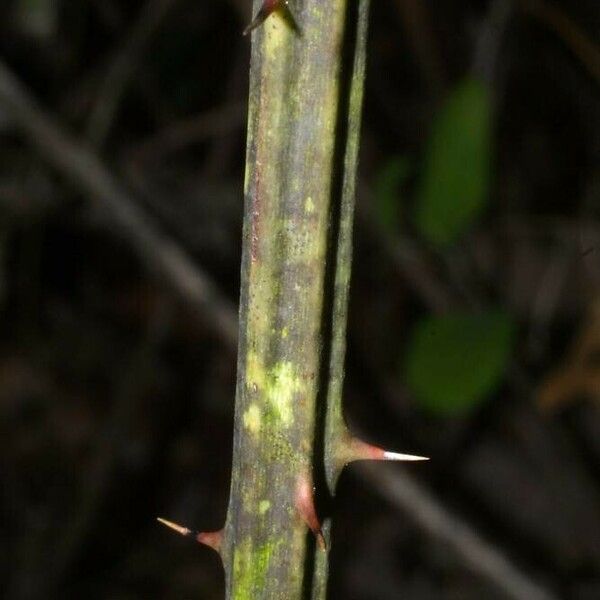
301	161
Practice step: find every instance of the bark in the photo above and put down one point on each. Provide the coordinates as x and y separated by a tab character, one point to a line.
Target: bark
305	102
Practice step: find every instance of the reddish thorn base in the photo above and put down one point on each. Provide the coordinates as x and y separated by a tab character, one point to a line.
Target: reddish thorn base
213	539
268	7
305	504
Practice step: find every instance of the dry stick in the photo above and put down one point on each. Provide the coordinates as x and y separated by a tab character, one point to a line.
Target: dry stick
404	492
119	73
157	251
163	255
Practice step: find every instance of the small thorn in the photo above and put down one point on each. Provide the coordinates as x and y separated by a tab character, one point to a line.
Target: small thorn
178	528
407	457
360	450
212	539
305	504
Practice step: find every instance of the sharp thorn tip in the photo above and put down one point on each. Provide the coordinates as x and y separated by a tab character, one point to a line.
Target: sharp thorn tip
174	526
403	457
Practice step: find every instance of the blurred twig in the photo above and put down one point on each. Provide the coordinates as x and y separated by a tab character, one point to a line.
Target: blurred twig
157	251
489	40
192	130
223	147
404	492
119	73
97	477
579	376
582	46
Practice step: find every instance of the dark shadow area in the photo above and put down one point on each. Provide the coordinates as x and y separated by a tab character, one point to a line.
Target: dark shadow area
474	324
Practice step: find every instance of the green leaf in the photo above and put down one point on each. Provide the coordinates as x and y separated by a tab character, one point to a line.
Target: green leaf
453	190
455	361
389	182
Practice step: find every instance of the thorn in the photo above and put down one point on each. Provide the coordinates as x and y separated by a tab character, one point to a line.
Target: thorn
212	539
305	504
269	7
405	457
360	450
178	528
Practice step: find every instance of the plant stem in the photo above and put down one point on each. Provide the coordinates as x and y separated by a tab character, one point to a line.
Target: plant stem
298	149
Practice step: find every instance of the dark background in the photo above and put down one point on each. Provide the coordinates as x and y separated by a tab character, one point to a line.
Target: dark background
116	398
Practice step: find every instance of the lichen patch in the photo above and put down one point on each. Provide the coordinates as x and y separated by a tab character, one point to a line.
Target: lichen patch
284	383
309	206
252	419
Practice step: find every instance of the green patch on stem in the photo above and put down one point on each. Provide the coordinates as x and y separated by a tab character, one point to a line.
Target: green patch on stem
278	385
284	383
250	568
256	375
280	450
309	206
252	419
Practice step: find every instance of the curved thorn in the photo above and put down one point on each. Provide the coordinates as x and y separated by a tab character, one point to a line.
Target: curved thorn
305	505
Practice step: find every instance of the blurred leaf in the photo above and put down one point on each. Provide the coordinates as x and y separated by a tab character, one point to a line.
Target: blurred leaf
388	186
454	186
455	361
37	18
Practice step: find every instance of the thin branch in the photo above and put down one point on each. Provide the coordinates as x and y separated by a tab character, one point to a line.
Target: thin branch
156	250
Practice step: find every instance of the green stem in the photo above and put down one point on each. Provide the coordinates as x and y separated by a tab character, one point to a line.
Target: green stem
296	150
336	433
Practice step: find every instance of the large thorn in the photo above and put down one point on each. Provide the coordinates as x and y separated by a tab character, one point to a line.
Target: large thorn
359	450
305	505
212	539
